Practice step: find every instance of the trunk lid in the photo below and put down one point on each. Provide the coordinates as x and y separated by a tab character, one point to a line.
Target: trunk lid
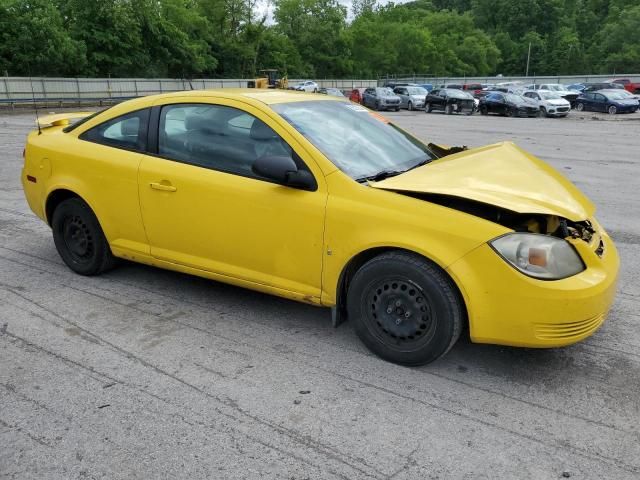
503	175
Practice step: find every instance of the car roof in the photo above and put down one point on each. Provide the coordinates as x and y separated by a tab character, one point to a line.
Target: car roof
266	96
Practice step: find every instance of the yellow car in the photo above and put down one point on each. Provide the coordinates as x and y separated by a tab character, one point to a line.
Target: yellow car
317	199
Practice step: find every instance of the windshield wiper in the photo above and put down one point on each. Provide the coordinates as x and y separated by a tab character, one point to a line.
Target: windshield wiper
380	176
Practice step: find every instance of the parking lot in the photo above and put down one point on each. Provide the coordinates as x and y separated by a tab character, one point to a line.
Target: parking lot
145	373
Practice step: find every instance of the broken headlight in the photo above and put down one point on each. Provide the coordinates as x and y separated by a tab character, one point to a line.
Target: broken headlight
539	256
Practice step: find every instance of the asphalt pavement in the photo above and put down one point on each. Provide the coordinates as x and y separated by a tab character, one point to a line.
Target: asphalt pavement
145	374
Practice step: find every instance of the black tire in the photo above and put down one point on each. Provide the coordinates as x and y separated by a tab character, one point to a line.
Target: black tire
543	112
427	108
405	309
612	110
448	109
484	110
397	109
580	106
377	106
410	106
79	238
508	112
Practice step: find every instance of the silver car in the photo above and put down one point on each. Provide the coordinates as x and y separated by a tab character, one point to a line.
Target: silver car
411	97
381	98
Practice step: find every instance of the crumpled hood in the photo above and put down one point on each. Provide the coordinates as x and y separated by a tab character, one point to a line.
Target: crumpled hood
503	175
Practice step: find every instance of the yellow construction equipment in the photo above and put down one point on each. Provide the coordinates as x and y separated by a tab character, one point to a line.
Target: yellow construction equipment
269	79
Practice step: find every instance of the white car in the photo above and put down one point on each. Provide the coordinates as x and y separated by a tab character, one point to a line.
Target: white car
558	88
307	86
551	103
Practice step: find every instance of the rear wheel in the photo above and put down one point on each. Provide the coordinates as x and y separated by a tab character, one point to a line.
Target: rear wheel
405	309
484	110
612	110
508	112
79	238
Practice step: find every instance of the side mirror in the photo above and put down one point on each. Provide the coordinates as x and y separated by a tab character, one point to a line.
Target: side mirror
282	169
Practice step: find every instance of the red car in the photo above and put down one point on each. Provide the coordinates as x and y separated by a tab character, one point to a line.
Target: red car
473	88
633	87
356	95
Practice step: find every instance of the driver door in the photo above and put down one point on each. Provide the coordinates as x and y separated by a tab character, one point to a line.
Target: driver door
204	208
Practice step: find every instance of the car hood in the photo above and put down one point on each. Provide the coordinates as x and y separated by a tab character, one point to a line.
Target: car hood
557	101
503	175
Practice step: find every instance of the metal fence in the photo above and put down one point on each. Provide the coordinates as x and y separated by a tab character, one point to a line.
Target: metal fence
567	79
22	90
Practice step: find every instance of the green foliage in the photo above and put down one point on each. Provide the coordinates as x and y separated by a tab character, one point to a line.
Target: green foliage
317	38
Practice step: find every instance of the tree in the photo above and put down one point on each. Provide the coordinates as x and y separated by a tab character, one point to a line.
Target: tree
33	40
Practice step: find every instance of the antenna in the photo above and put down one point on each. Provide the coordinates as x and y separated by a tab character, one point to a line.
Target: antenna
35	104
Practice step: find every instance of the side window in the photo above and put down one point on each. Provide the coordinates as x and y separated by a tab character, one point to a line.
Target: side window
127	131
599	97
217	137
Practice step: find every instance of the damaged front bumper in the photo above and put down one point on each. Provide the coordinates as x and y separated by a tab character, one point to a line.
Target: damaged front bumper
508	308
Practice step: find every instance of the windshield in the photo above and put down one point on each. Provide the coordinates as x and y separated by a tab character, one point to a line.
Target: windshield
556	88
384	91
616	96
455	93
416	91
360	143
513	98
550	96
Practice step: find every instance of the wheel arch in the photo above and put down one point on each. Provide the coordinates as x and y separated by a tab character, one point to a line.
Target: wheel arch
55	198
359	259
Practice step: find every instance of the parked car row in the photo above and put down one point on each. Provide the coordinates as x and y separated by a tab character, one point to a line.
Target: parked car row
508	98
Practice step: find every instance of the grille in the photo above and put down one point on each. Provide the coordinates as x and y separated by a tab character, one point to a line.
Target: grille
563	109
567	331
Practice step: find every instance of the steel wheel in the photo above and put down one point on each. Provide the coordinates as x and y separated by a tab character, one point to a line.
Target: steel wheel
399	312
404	308
79	238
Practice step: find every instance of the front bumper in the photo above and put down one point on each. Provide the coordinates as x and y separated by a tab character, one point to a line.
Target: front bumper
508	308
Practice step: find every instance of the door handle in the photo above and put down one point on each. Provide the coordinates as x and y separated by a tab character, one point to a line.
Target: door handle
164	186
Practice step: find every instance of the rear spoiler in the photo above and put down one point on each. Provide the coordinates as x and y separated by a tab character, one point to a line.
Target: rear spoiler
61	118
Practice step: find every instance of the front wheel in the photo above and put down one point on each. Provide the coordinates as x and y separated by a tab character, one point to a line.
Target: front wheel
79	238
427	108
410	106
448	109
484	110
580	107
508	112
543	112
612	110
405	309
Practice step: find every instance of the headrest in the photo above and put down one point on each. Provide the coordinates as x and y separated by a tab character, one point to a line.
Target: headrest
261	131
196	122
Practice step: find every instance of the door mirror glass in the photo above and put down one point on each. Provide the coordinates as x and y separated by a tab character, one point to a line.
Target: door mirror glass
283	169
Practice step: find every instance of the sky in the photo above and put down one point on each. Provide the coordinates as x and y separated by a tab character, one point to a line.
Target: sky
266	6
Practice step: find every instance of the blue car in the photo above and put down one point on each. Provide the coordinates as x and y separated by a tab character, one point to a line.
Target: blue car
578	87
607	101
427	86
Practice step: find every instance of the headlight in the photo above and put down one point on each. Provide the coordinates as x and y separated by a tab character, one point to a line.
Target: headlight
539	256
